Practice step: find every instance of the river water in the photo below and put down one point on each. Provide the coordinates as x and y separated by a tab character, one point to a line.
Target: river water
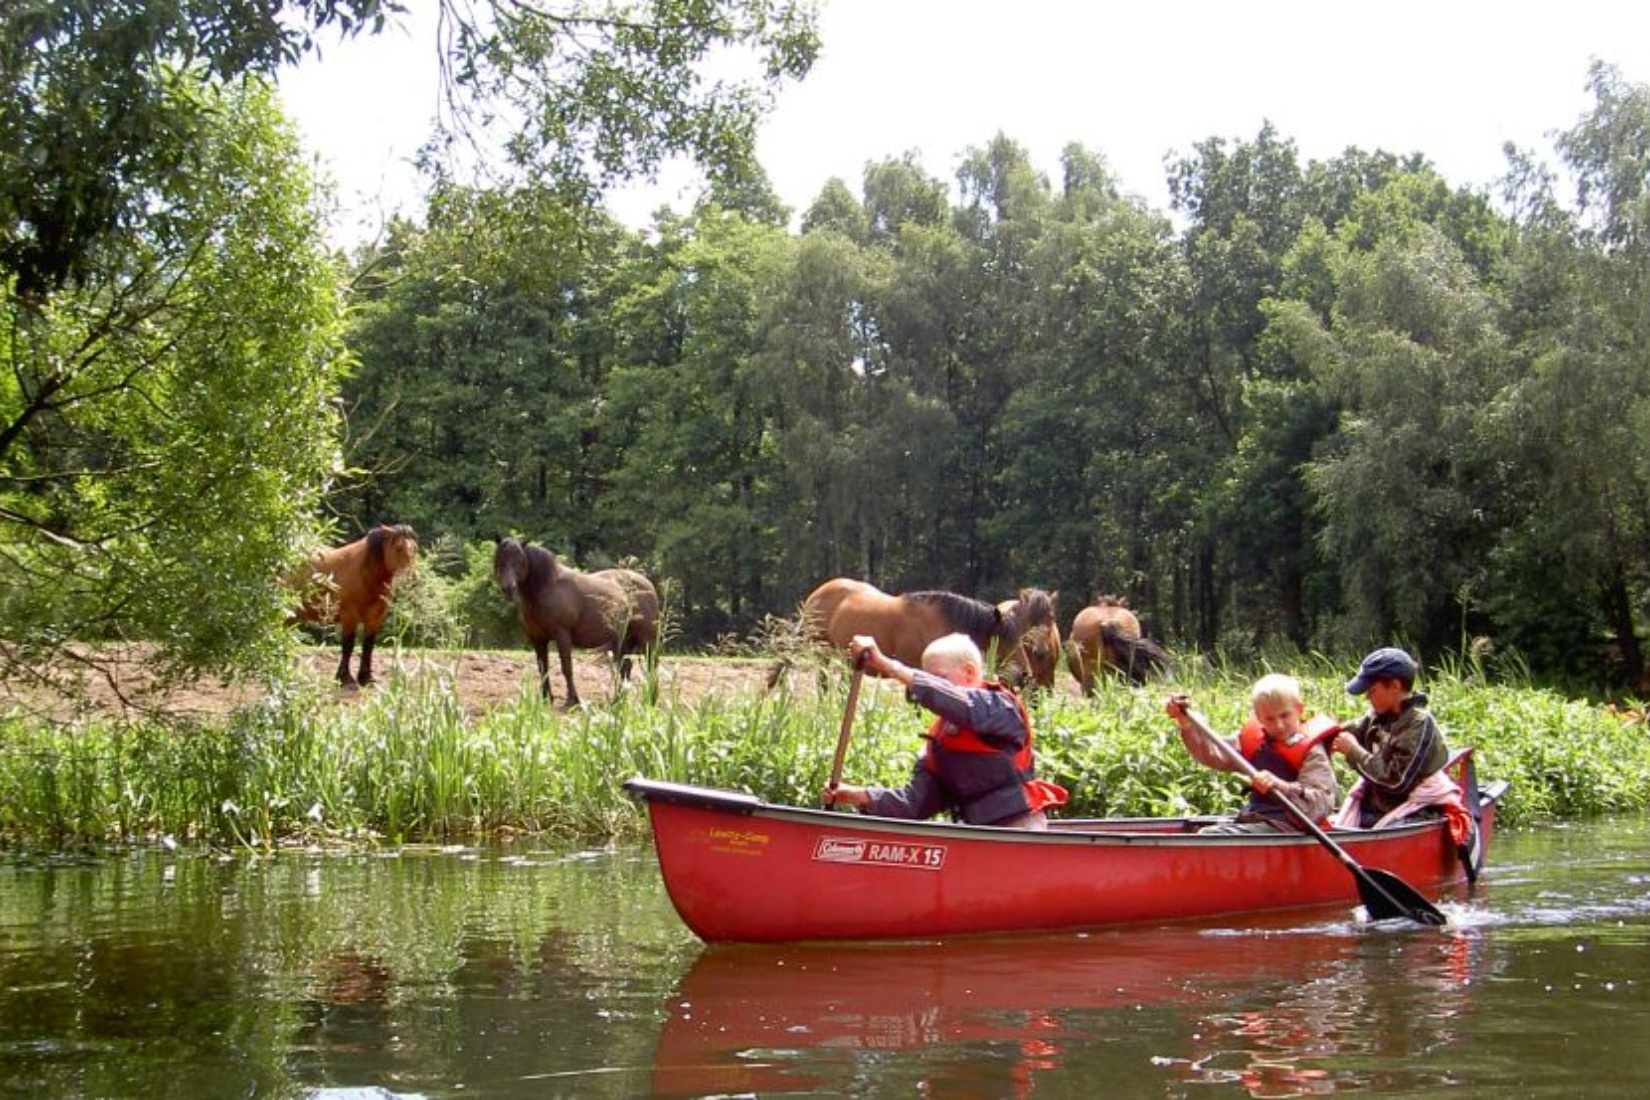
544	971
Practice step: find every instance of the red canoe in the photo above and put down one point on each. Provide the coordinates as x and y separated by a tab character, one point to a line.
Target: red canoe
741	870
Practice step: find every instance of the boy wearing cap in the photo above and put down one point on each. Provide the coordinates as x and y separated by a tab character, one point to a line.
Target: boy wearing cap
1396	747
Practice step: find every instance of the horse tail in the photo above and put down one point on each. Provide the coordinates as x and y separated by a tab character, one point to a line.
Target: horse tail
1138	658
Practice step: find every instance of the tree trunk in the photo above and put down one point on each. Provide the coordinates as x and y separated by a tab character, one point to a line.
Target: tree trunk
1618	611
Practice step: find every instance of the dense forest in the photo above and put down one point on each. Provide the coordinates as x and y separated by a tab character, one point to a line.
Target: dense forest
1310	406
1316	405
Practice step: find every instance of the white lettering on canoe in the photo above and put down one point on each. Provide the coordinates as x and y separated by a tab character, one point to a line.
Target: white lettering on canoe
921	857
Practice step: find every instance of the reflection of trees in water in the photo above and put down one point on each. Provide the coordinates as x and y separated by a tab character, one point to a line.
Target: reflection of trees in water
350	1009
460	966
501	1002
1393	998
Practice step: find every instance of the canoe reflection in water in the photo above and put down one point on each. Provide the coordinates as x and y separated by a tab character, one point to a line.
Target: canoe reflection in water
1267	1008
1388	1002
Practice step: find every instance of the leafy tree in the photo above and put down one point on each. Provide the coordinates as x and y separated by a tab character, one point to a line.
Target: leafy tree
1091	439
604	93
899	193
1572	568
599	94
1278	570
1245	208
1004	209
837	209
697	470
95	119
917	312
166	424
482	360
819	354
1414	354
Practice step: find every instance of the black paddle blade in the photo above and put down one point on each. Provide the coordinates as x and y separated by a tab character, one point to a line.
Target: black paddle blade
1385	895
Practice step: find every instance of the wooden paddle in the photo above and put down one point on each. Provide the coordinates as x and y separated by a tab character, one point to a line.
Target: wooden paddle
1383	893
847	724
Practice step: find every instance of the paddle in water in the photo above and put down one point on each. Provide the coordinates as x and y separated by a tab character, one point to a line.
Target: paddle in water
1384	894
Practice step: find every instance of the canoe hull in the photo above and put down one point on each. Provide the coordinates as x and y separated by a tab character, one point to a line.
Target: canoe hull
741	870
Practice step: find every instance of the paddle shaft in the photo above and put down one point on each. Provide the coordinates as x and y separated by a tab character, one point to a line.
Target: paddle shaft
1384	894
847	724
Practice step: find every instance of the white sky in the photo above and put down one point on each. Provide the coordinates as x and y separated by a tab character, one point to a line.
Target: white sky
1452	79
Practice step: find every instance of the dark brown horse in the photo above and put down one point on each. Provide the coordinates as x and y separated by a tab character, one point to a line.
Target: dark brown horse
1024	631
614	609
351	585
1106	634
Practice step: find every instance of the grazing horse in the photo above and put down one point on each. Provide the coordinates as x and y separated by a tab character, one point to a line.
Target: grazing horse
614	609
1024	630
1106	634
1032	620
351	586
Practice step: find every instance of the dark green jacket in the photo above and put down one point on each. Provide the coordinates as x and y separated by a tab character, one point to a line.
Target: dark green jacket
1400	750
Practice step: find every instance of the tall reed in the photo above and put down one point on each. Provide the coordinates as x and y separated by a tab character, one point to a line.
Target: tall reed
408	763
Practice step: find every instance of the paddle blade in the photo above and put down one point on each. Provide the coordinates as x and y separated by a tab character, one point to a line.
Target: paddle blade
1385	896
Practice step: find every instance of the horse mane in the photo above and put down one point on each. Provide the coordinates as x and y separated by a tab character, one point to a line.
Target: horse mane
1038	606
542	564
1033	607
977	619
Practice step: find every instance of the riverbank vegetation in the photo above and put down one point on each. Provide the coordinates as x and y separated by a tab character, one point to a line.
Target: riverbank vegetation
408	764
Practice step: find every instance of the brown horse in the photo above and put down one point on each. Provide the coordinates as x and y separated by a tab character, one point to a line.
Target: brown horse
351	586
1034	654
614	609
1106	634
1024	630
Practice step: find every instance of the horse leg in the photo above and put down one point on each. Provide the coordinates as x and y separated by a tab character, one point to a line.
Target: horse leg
627	655
617	665
564	650
347	644
368	639
541	652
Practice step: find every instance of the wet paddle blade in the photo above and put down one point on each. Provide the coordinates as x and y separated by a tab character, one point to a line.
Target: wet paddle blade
1385	896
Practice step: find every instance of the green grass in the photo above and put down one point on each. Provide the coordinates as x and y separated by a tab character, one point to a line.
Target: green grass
408	765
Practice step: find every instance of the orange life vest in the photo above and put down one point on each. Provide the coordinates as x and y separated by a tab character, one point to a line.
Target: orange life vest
1313	730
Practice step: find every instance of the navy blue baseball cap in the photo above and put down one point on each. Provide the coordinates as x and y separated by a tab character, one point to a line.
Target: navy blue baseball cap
1384	664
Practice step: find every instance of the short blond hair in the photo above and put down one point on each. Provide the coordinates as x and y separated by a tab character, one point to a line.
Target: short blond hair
1277	689
952	653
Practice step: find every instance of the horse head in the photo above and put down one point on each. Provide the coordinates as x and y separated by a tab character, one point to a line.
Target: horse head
509	566
1031	630
395	545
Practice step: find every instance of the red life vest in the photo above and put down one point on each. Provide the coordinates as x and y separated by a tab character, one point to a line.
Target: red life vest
1313	730
1040	793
